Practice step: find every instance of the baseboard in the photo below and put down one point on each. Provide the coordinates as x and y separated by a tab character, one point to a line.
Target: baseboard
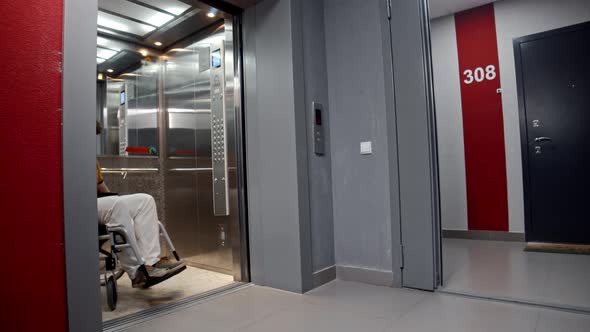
364	275
324	276
484	235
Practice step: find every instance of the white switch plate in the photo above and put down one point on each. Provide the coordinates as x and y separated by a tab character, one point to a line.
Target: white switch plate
366	148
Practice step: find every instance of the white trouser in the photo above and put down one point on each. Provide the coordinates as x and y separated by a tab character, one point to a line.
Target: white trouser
137	214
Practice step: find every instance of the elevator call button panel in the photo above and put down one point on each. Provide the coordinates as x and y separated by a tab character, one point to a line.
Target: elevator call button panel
218	131
319	138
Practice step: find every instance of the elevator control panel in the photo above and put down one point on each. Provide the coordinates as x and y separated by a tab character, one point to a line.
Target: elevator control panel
122	118
218	131
319	138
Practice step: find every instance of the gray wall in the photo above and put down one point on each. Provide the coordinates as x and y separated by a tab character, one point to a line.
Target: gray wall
514	18
362	217
320	168
276	150
290	188
289	192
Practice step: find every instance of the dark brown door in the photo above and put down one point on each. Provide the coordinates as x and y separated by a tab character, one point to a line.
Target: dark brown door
554	93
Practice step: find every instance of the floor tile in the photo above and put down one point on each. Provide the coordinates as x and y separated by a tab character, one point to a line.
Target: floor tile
225	313
552	321
505	270
349	306
314	317
368	300
449	313
188	283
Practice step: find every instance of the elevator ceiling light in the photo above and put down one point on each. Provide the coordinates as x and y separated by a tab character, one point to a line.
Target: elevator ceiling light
158	43
136	12
180	50
107	43
110	70
121	24
174	7
105	53
210	14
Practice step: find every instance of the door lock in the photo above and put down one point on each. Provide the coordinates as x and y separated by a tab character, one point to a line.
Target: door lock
537	149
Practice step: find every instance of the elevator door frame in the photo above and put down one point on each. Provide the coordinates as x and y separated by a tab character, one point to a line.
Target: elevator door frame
78	154
416	221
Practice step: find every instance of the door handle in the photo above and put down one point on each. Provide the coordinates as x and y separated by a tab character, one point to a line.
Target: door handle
543	139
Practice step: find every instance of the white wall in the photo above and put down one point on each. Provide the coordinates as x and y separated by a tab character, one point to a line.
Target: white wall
514	18
449	121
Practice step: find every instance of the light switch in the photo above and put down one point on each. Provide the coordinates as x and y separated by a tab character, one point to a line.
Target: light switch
366	148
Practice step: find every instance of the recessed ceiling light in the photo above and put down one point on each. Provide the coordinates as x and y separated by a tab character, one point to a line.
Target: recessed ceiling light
110	70
210	14
158	43
105	53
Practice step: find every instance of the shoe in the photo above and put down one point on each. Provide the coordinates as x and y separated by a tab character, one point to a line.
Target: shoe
168	264
140	279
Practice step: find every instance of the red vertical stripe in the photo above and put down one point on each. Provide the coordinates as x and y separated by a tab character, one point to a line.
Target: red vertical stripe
33	271
485	159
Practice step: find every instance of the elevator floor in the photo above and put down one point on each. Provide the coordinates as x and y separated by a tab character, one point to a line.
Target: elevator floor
505	270
190	282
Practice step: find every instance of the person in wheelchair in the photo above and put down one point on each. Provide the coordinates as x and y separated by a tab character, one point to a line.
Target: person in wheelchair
137	214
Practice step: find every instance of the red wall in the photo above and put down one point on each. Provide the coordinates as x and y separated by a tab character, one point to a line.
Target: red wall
33	270
483	126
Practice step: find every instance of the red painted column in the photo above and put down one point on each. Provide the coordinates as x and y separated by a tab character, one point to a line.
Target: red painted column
483	128
32	275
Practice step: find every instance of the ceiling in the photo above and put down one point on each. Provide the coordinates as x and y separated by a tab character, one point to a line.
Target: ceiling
129	30
243	3
440	8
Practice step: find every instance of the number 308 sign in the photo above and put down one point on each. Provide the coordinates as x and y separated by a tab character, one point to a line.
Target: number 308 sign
479	74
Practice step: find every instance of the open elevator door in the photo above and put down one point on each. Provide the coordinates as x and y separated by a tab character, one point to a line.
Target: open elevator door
172	116
414	139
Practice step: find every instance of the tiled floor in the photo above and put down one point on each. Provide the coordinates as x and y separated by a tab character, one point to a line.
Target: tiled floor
348	306
190	282
503	269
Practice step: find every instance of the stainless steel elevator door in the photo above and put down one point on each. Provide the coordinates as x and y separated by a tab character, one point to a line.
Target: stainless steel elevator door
201	238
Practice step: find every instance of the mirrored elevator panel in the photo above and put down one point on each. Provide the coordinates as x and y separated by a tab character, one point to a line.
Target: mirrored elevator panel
169	117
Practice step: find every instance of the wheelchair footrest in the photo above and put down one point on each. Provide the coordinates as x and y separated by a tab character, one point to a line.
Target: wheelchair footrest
152	281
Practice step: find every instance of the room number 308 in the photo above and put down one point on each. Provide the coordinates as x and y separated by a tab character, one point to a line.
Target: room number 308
478	75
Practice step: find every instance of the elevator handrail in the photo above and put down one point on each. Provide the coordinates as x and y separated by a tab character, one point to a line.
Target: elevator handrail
190	169
135	170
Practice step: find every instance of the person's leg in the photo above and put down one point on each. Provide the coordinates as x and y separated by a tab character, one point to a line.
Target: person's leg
142	209
112	211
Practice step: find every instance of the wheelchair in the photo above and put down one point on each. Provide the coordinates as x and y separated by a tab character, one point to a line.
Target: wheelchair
117	237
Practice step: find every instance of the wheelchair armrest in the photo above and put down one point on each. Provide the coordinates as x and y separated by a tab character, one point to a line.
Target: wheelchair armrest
99	195
102	230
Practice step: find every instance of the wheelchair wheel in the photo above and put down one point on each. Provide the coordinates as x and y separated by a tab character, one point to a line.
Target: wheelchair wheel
111	286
